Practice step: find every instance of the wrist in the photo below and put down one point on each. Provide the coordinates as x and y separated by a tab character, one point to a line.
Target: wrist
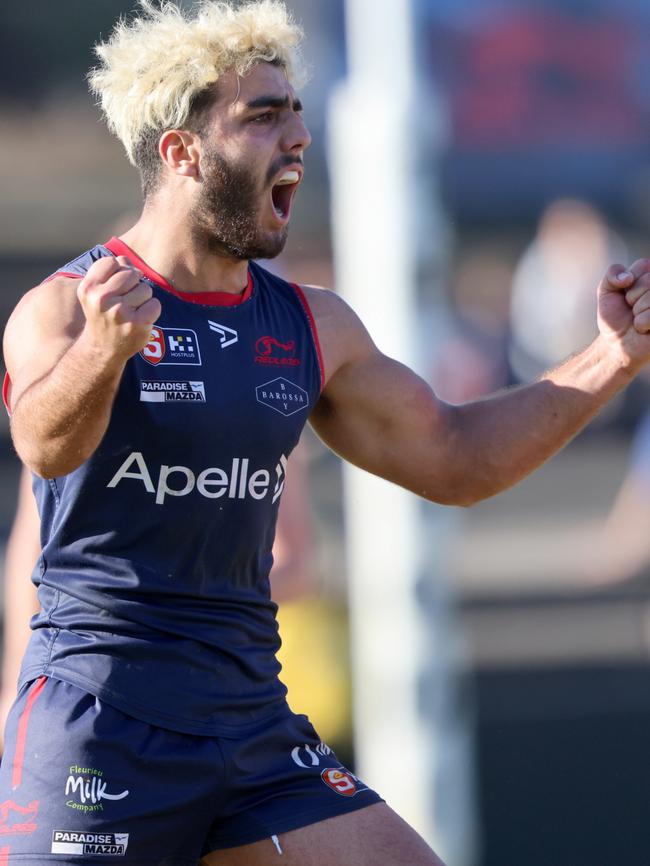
99	355
612	351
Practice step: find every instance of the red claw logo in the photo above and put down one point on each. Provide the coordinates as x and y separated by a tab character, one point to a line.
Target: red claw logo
25	814
272	352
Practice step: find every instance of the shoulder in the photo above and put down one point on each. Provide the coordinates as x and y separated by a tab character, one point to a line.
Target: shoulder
326	305
47	318
51	304
341	333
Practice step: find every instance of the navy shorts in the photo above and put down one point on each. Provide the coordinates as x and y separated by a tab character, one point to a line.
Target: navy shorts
81	782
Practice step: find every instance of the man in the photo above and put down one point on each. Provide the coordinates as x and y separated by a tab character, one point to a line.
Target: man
157	386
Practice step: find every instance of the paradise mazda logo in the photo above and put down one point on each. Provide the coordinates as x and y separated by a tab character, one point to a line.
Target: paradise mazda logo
165	391
79	843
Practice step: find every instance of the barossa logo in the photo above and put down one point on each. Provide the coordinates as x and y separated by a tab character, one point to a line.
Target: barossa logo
213	483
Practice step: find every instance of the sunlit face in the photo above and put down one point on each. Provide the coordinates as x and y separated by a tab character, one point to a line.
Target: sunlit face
251	165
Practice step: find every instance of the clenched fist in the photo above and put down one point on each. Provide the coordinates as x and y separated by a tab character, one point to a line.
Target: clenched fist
119	307
623	303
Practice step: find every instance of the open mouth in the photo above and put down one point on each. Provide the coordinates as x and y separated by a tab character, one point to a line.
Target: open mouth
282	194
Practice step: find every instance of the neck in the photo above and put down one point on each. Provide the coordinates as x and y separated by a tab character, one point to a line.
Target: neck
163	239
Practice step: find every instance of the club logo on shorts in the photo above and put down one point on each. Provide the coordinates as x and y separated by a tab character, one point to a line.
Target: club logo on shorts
283	396
341	781
168	346
16	819
159	391
78	843
89	787
306	757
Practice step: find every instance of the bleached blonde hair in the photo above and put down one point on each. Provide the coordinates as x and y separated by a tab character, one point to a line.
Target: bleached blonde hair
157	65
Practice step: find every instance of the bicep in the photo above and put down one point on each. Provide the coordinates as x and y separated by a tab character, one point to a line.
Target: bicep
40	330
381	416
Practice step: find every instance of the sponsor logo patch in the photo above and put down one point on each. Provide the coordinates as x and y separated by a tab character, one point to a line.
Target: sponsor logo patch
159	391
16	819
78	843
85	788
240	481
306	756
274	353
168	346
227	336
282	396
341	781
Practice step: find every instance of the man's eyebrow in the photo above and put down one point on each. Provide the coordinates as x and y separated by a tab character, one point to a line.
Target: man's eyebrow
273	102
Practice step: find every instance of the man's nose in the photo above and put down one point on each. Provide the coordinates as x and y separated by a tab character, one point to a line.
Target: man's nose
297	136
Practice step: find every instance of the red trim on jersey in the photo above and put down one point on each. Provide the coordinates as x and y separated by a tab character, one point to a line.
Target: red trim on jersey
64	274
6	385
21	738
4	855
212	299
314	331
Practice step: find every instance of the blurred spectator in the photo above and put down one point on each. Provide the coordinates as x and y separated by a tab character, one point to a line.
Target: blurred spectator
469	360
553	292
620	547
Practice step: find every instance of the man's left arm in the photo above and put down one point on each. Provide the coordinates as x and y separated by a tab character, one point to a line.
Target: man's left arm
379	415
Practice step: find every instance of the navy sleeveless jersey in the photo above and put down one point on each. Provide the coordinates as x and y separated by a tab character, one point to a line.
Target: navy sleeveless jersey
154	577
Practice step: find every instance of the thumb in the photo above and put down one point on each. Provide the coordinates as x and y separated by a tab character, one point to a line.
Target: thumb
617	279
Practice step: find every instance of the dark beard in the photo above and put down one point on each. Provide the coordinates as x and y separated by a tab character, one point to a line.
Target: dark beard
226	216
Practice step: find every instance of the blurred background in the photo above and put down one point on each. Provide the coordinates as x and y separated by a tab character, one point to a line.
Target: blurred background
533	174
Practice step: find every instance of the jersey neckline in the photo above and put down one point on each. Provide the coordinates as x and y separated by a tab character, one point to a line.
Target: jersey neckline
212	299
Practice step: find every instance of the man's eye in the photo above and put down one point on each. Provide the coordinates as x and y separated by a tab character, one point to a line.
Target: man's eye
262	118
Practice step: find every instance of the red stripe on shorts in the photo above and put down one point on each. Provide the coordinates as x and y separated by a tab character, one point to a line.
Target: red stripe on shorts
23	721
4	856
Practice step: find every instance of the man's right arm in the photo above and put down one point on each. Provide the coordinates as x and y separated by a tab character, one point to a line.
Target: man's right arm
66	345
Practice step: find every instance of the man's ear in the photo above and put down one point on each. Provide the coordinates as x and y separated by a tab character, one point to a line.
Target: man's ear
180	151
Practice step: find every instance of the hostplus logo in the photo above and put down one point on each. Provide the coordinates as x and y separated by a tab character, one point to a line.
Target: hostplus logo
239	481
172	346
